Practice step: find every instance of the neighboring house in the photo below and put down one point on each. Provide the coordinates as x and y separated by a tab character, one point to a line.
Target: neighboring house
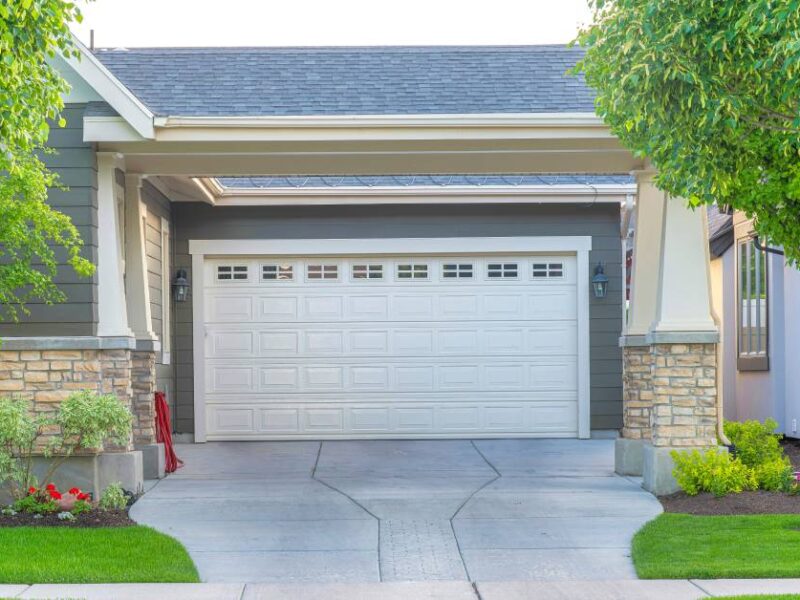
756	297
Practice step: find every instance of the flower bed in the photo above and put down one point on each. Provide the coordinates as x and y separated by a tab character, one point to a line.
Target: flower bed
747	502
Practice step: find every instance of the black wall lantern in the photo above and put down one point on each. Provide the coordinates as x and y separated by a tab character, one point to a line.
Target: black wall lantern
180	286
599	282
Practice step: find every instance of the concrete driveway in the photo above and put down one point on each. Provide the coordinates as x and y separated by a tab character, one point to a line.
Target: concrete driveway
362	511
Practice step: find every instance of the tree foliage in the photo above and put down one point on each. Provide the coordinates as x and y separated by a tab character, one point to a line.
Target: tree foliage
32	234
709	90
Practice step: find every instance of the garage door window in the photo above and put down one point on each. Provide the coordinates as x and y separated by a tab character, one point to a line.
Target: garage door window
277	272
502	270
412	271
548	270
232	273
326	272
367	272
457	271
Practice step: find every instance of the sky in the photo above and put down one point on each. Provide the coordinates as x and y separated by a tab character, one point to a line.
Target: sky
132	23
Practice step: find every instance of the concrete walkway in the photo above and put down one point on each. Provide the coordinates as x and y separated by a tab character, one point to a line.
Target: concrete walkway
351	511
432	590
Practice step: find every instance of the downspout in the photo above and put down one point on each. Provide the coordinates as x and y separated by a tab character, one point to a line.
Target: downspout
718	322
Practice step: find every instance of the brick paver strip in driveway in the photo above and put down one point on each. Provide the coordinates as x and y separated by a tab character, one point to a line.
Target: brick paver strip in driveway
368	511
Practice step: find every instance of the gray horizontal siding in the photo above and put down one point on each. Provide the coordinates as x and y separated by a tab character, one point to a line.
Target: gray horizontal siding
199	221
158	207
74	161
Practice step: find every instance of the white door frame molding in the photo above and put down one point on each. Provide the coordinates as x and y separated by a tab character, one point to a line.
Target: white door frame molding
577	245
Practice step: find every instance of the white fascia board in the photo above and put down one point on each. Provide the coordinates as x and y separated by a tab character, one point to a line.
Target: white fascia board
391	246
109	129
424	120
112	91
382	127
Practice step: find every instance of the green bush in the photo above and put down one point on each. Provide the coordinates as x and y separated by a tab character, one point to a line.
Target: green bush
113	498
756	443
758	463
83	421
711	471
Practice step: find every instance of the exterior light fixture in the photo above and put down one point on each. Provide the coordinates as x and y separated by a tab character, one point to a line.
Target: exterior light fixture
599	282
180	286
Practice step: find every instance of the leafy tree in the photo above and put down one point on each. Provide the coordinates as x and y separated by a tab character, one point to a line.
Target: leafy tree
31	232
709	90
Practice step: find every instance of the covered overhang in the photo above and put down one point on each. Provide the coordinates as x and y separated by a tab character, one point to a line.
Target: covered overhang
366	144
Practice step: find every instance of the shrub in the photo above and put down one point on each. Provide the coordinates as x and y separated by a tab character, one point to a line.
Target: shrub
35	504
83	421
775	475
756	443
711	471
113	498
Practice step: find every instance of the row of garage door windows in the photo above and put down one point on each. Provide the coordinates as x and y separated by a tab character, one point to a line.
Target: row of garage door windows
404	271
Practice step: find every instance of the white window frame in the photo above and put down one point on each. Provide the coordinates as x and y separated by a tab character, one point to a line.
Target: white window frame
278	266
580	246
323	265
232	279
459	274
750	322
369	265
166	294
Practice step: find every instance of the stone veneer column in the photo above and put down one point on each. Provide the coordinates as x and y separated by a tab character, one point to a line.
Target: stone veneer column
47	377
637	392
143	376
684	395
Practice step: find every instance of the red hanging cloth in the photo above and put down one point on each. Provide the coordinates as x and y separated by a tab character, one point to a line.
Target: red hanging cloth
164	433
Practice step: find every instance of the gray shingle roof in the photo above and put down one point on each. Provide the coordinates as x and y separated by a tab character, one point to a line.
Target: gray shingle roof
720	230
423	180
341	81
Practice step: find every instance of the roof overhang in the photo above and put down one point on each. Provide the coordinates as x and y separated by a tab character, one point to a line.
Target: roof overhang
136	117
212	192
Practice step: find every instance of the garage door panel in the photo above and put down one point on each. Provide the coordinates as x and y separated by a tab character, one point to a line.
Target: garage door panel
236	422
554	374
333	349
535	339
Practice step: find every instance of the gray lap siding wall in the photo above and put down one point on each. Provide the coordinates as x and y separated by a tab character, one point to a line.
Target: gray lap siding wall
158	208
75	163
601	221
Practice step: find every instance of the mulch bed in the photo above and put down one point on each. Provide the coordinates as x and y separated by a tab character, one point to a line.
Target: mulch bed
93	518
746	503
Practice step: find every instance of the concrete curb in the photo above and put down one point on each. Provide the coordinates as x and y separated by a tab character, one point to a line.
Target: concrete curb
676	589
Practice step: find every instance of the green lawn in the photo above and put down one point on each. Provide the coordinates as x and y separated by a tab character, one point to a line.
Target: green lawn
82	555
677	546
773	597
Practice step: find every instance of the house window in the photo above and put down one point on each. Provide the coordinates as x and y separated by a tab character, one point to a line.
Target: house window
322	272
752	303
412	271
367	271
457	271
277	272
166	295
232	273
502	270
547	270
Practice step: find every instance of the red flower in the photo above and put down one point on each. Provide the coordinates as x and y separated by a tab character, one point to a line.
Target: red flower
84	497
75	491
50	487
54	494
32	490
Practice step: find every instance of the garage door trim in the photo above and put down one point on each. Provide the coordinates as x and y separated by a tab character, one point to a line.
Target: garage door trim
579	245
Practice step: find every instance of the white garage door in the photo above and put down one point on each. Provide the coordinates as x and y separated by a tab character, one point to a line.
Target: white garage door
429	346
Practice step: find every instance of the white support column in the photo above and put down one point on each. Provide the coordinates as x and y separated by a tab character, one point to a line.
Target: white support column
111	309
683	311
137	289
646	258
